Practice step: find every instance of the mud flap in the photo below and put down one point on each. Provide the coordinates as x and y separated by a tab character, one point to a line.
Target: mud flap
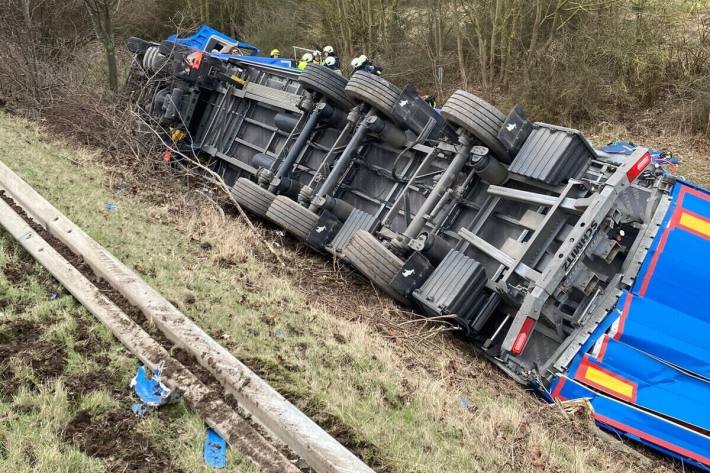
415	271
324	231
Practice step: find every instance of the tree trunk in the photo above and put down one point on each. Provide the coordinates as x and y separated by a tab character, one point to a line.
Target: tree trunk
533	41
460	55
370	43
110	47
495	18
101	15
112	67
31	51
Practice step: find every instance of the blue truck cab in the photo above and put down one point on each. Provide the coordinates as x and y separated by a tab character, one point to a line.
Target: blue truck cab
220	46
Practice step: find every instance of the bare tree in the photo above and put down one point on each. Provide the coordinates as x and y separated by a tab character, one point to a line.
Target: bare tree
101	13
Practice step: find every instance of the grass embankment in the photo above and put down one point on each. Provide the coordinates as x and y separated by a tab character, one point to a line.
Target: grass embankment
64	381
407	398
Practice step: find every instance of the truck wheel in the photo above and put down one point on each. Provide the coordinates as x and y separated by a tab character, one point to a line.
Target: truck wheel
330	84
137	45
479	118
252	196
370	257
153	60
376	92
292	217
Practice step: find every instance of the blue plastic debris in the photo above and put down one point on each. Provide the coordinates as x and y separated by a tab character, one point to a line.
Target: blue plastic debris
466	404
659	157
150	390
215	450
53	296
139	409
619	147
110	206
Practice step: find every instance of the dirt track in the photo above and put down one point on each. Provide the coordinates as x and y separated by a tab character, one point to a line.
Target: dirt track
114	430
113	436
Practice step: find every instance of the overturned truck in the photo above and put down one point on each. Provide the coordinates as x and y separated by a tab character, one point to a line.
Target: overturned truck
577	271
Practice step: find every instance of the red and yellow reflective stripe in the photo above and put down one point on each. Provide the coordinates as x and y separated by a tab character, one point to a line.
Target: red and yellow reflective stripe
694	223
606	381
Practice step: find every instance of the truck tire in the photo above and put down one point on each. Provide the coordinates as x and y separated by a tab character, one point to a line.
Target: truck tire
292	217
252	196
153	60
479	118
374	261
137	45
330	84
376	92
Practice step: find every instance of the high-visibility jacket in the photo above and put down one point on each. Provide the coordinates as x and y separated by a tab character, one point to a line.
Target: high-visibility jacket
302	64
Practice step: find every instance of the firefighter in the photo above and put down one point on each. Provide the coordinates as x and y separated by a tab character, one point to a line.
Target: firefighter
306	59
317	57
275	53
431	100
330	53
332	64
362	63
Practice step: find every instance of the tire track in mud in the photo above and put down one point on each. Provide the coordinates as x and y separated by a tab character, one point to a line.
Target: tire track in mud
98	436
112	436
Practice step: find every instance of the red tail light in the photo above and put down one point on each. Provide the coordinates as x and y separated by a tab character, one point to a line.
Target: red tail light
638	167
523	336
194	60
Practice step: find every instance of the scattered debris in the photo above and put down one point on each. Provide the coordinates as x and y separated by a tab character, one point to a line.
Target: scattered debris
139	409
468	405
576	407
289	424
120	189
660	158
215	450
151	391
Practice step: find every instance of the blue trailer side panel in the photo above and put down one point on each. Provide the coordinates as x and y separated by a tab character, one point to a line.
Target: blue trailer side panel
646	369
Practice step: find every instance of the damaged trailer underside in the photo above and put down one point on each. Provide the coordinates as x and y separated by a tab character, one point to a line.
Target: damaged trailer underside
576	271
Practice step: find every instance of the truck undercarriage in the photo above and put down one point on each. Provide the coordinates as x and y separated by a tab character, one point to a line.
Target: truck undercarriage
556	260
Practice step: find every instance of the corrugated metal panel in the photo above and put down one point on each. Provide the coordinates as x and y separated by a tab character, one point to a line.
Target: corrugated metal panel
455	287
357	220
552	154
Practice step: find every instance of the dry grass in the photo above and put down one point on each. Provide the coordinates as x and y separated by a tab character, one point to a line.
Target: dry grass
693	151
407	397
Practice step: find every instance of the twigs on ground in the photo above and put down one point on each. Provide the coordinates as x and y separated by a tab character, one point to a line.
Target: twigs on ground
213	178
